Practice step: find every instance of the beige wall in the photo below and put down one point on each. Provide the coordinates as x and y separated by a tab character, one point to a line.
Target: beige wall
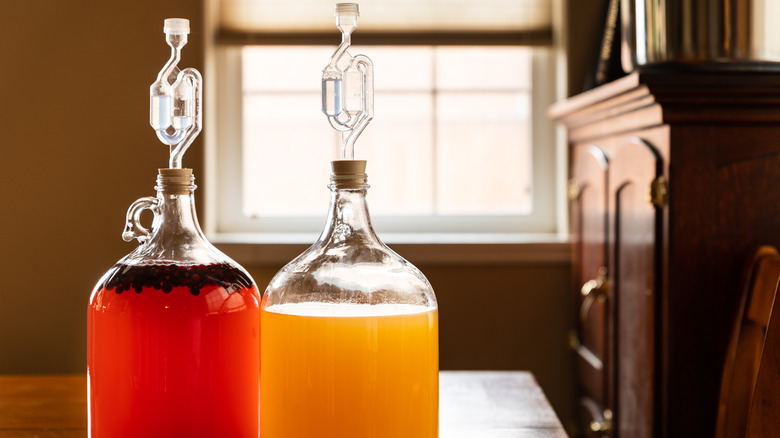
76	150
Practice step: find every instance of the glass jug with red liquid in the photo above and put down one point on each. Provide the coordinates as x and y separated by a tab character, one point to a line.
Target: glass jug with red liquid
173	347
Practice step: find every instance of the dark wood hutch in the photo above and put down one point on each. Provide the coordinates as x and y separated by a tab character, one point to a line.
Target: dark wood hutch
674	180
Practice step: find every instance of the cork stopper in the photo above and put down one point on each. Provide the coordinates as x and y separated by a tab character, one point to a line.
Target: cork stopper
349	174
348	167
175	181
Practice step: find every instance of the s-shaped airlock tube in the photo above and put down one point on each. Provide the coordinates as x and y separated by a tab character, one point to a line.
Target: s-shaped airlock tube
348	95
175	97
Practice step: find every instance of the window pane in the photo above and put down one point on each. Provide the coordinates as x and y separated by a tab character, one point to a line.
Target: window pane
399	68
484	154
483	68
287	146
283	68
445	140
398	146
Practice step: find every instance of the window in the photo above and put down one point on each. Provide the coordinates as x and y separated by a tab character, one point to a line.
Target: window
460	142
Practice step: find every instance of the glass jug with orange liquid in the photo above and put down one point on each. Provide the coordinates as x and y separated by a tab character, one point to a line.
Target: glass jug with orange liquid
349	329
349	332
173	328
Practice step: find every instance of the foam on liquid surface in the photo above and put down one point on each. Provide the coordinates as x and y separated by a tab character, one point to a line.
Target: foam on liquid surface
346	310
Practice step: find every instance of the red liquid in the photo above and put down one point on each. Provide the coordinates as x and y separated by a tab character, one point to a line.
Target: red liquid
165	362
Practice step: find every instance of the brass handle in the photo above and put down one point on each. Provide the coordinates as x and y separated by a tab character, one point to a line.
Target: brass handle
593	290
574	340
659	192
572	190
601	428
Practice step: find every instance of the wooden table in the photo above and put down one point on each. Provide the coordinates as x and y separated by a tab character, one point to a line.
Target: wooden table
484	404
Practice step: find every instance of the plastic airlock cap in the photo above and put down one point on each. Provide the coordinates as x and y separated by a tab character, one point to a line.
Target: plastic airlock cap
346	10
176	26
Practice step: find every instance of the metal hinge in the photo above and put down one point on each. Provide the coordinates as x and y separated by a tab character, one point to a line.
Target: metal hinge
659	191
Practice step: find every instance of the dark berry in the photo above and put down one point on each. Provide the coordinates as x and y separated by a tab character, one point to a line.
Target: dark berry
168	277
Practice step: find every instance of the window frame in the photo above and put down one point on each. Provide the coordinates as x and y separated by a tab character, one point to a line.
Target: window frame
223	155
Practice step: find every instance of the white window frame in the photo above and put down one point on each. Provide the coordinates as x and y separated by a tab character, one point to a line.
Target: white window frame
550	157
224	156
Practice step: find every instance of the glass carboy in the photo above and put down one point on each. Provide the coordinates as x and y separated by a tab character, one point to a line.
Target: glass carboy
349	329
173	327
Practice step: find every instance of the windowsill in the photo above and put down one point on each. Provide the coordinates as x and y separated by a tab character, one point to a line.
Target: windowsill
419	248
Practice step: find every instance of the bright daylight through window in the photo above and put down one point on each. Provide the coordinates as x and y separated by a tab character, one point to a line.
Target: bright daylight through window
444	141
459	142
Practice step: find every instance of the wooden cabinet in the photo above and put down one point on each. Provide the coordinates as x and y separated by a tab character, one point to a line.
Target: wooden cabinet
675	179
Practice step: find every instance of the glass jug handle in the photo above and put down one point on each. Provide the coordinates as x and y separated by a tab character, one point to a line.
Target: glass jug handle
133	227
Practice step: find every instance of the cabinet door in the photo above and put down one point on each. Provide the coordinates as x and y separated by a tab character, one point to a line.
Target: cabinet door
588	195
634	167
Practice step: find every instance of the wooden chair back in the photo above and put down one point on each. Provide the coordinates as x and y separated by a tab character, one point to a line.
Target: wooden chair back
764	417
741	368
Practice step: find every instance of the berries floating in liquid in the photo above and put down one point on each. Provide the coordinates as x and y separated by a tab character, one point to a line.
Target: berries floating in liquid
164	278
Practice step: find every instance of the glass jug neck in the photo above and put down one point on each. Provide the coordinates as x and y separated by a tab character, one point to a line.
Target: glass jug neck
348	213
349	207
176	209
176	218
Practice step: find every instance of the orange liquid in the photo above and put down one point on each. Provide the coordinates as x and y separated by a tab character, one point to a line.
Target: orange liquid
349	371
174	364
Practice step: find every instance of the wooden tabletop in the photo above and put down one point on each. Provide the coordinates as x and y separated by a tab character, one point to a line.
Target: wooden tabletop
485	404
